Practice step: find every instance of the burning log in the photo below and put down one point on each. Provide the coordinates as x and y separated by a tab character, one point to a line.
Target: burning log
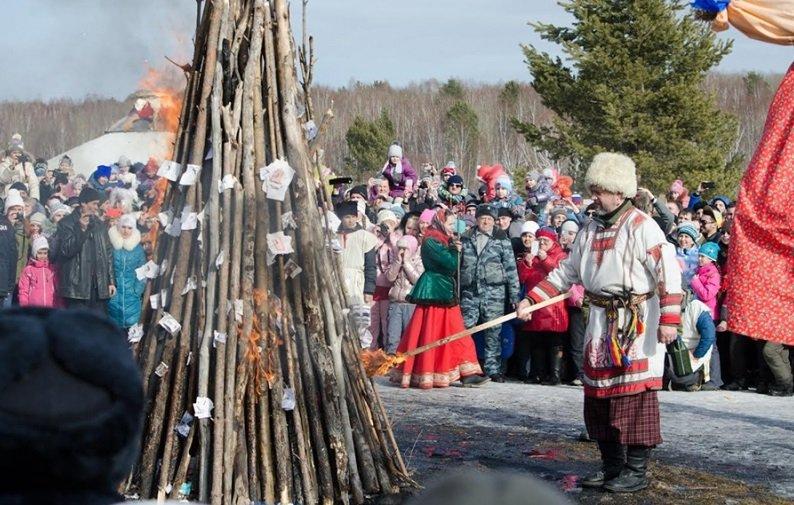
255	390
379	363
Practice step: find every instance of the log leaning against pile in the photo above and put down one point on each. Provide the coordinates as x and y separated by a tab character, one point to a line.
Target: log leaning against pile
254	386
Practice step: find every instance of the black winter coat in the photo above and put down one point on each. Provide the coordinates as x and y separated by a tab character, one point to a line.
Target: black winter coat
84	256
8	257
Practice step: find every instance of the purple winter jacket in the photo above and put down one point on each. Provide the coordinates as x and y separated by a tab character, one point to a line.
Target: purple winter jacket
397	182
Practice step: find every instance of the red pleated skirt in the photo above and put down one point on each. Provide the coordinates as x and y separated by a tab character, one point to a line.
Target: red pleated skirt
436	368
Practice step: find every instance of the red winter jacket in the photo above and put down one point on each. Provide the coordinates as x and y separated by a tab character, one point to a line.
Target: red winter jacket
555	317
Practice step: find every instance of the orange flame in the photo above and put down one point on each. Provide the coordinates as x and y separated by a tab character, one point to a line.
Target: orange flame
378	362
168	86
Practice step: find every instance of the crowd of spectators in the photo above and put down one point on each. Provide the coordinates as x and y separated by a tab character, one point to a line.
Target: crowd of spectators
72	241
512	233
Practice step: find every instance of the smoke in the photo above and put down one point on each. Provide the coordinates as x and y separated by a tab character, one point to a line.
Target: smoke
74	48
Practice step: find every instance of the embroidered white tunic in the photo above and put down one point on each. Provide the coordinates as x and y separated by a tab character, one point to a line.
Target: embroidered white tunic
631	256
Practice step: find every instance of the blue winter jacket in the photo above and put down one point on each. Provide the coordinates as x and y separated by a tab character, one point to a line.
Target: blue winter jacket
125	307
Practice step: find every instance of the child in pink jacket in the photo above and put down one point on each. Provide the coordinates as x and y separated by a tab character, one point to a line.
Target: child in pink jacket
38	281
706	281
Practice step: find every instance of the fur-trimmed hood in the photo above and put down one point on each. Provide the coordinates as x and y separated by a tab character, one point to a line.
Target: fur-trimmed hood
118	242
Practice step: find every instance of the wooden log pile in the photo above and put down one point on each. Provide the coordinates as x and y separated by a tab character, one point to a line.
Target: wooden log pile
254	387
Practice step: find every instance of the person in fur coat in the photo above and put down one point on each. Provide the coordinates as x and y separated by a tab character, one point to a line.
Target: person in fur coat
125	307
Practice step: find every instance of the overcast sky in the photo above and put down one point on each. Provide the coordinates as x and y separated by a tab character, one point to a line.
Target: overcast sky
71	48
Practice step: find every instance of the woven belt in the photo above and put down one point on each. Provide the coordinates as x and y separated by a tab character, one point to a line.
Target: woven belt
621	339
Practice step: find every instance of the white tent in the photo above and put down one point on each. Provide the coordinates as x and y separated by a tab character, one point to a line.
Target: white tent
107	149
138	136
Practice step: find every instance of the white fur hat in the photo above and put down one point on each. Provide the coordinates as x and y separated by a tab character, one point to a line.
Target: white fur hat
530	227
613	172
13	198
395	150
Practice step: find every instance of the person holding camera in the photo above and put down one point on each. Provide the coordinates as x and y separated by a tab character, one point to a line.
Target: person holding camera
17	167
86	272
8	245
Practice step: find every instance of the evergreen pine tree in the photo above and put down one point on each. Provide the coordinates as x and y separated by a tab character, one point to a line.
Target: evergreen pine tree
367	143
632	82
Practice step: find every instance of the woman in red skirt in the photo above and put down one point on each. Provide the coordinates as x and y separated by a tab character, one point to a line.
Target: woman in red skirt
437	315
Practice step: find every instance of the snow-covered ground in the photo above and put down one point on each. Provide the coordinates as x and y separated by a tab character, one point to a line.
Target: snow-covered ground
736	435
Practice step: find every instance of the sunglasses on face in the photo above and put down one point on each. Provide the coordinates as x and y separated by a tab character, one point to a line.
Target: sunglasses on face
456	185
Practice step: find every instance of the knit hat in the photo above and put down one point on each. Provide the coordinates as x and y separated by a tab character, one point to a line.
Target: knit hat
709	250
395	150
113	213
58	207
533	176
15	148
504	212
361	190
408	242
530	227
65	160
346	209
455	179
83	430
472	205
677	186
504	182
613	172
689	230
569	225
556	211
89	194
102	171
449	169
40	242
124	162
128	221
485	210
37	218
19	186
427	215
547	232
13	199
386	215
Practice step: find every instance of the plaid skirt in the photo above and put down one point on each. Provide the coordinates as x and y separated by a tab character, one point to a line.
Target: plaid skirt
629	420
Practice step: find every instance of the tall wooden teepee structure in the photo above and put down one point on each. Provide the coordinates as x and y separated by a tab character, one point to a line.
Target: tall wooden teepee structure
254	387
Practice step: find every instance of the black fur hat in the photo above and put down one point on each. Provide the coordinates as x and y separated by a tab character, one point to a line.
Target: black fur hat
70	404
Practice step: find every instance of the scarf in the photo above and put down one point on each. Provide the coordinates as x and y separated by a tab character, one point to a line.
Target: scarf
610	218
437	229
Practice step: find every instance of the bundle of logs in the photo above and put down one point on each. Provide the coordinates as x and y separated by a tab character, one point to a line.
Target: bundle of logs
255	390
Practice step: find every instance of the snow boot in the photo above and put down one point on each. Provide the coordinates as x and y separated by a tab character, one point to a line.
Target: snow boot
612	459
634	475
555	359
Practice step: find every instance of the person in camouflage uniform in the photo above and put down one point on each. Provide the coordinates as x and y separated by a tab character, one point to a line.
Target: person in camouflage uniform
488	282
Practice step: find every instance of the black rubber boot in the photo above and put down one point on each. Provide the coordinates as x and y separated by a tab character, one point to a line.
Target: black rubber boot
537	366
634	476
555	359
613	457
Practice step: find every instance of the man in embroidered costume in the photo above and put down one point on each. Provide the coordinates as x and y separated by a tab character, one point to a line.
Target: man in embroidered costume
633	282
